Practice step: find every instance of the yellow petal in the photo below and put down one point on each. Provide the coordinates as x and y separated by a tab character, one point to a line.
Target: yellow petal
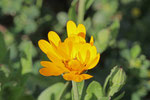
53	56
84	77
93	62
63	51
81	31
45	46
93	52
45	72
50	69
75	39
69	43
57	61
74	65
79	57
83	50
91	41
68	76
76	77
71	28
87	57
54	38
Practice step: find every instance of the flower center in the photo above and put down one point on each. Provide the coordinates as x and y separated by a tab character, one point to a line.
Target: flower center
74	65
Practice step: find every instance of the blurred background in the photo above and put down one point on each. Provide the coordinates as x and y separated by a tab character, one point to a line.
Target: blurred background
121	30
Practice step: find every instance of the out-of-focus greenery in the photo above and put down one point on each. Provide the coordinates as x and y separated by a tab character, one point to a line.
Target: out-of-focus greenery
121	33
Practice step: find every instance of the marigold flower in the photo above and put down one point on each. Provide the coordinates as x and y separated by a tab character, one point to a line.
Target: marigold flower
70	58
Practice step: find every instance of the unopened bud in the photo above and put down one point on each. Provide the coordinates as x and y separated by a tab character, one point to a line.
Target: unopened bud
117	80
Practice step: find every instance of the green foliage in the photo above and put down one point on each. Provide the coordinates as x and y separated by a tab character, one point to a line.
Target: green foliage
121	34
94	90
88	4
11	7
103	38
3	48
120	96
107	37
135	51
26	56
117	80
52	92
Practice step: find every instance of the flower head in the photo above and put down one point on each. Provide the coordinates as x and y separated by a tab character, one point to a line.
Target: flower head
70	58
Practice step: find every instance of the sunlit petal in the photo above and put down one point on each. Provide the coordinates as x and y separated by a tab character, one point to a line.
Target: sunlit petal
81	31
94	62
50	69
71	28
54	38
45	46
92	41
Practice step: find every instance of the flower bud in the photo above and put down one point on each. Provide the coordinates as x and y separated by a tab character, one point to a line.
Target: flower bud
117	80
119	77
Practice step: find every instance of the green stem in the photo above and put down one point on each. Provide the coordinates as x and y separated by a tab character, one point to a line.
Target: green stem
62	91
81	10
75	90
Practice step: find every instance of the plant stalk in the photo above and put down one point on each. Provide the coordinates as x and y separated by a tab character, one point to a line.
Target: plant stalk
75	90
81	10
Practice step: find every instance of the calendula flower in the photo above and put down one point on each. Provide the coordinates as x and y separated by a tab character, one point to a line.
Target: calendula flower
70	58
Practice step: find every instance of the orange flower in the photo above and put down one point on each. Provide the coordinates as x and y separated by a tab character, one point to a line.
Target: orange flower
70	58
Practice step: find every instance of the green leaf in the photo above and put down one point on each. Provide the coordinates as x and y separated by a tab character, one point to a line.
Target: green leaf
15	92
2	79
125	54
26	56
36	67
113	71
11	7
114	28
31	11
61	94
62	18
122	44
87	24
3	49
26	97
120	96
88	4
100	47
52	92
93	97
135	96
94	89
102	40
104	98
135	51
67	96
103	36
90	97
25	23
